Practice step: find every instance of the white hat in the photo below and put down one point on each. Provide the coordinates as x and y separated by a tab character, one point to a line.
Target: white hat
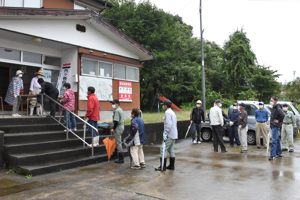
19	72
199	102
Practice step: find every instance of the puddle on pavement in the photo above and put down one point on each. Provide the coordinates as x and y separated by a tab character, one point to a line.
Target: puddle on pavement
286	174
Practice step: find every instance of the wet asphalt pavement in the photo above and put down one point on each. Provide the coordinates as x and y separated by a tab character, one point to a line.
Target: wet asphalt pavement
200	174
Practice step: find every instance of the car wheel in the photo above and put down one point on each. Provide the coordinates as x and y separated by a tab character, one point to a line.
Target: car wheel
206	135
251	139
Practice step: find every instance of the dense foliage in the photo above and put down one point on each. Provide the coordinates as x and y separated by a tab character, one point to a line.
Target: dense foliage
231	71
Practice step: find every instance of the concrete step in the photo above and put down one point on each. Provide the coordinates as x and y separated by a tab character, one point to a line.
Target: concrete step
56	166
42	136
43	156
46	145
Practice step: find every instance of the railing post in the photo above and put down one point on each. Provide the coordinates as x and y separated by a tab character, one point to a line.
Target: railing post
84	132
67	123
42	108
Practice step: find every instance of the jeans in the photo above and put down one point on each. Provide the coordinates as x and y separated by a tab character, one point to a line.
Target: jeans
196	129
276	147
234	135
70	119
91	130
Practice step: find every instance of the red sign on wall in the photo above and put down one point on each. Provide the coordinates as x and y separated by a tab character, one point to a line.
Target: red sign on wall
125	91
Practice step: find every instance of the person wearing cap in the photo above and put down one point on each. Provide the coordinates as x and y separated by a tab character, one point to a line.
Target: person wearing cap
243	128
50	90
217	123
170	134
118	128
15	89
287	130
35	89
233	116
261	130
196	117
92	114
277	116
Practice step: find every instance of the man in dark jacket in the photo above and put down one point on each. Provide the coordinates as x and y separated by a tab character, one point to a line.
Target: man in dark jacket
233	130
51	91
243	128
277	116
197	116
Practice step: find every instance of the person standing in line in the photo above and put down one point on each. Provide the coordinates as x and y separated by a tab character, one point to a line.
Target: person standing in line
170	134
233	129
196	117
118	128
261	117
243	128
68	102
92	114
35	89
15	89
137	132
287	131
277	116
217	123
50	90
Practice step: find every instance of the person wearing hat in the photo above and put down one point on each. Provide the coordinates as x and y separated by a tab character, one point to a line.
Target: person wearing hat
170	134
196	117
261	130
217	123
233	116
118	128
287	130
35	89
243	128
15	89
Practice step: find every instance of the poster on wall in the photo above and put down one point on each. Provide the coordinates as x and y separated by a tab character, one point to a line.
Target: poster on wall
63	77
103	87
47	75
125	91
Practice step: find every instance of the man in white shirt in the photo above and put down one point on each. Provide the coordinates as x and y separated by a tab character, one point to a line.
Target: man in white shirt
217	122
170	134
34	90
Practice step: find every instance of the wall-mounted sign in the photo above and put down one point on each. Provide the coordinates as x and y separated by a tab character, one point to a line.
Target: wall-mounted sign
47	75
125	91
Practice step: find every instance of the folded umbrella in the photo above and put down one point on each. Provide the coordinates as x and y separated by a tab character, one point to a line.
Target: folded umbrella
110	146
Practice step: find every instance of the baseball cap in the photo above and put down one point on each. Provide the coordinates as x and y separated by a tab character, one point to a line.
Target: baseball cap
199	102
167	103
19	72
115	101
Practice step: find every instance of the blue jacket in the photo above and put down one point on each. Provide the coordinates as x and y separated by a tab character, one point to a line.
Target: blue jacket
137	124
261	115
234	117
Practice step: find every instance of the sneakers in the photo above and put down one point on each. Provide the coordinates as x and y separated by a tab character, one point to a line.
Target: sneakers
135	167
16	115
244	151
199	142
291	150
194	142
75	129
271	158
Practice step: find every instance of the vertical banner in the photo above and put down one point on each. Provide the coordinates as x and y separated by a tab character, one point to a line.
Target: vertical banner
125	91
63	77
48	75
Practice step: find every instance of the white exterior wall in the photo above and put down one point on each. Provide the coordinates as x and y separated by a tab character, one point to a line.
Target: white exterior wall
71	56
65	31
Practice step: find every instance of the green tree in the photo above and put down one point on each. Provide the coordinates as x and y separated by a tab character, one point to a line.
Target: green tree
291	90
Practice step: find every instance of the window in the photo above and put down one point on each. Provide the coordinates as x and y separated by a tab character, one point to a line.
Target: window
120	71
32	57
90	67
105	69
10	54
132	73
78	7
21	3
54	61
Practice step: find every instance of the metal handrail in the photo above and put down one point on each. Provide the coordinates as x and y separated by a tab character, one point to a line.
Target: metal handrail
85	123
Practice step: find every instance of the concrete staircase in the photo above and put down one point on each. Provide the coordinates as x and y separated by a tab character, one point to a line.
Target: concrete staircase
34	146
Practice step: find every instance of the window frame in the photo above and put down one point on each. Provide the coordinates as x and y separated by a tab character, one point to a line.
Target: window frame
138	74
2	4
90	59
112	69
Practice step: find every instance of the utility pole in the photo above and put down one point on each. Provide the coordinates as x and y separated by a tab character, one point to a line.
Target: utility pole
202	59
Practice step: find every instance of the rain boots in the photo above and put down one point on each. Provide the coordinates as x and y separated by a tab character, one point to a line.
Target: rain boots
172	163
160	167
120	158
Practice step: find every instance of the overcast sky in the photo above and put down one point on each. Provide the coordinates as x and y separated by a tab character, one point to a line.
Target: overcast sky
273	27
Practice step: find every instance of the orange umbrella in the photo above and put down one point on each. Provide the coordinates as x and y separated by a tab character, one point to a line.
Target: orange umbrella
110	145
